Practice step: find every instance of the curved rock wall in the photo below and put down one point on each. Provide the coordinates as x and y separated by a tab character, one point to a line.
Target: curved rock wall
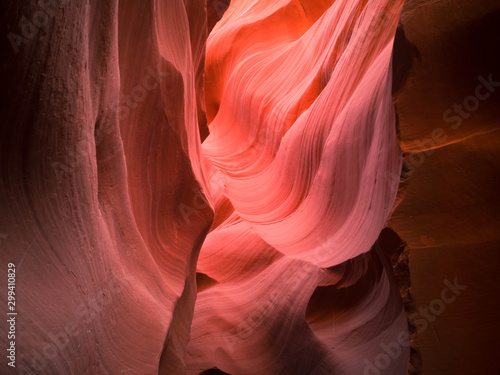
448	122
305	167
175	204
100	146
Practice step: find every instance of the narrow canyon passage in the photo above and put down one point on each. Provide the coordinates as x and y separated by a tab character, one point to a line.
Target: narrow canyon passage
215	187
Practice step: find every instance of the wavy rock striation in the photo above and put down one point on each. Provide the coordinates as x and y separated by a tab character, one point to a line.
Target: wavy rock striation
304	168
138	177
100	144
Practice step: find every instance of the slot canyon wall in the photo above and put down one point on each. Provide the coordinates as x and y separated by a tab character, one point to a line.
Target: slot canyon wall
448	115
286	187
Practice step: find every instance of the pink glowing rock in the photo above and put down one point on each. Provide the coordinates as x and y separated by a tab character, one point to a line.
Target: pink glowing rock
302	130
111	181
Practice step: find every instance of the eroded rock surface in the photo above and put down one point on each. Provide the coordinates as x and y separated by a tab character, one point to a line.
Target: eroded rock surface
305	167
100	144
176	205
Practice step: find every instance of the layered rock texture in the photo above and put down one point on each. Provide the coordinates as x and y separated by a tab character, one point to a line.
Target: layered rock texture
194	187
100	145
305	167
449	131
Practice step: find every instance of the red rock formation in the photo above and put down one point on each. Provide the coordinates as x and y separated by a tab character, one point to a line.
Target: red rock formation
170	215
303	144
449	215
99	147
